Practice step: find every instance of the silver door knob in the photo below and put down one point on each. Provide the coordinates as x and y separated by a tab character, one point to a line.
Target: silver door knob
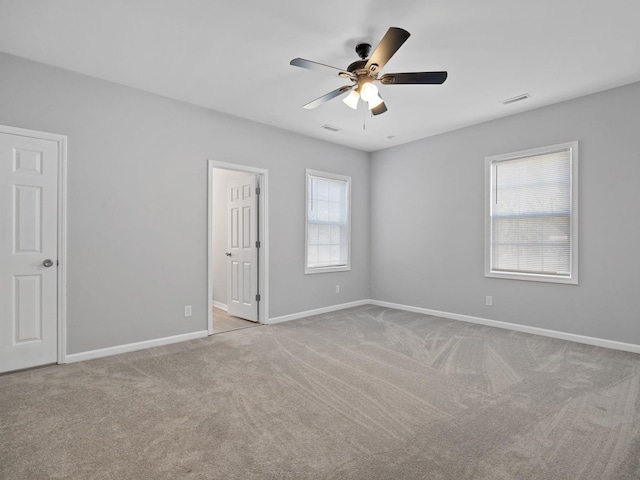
228	254
48	263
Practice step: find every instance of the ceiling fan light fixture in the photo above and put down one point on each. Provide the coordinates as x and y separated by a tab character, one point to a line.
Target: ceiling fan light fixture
351	100
368	91
374	102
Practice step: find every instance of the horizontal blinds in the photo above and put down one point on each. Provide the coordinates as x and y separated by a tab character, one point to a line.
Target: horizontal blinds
326	222
531	214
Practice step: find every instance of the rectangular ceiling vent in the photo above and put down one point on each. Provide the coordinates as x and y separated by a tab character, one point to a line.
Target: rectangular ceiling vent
331	128
519	98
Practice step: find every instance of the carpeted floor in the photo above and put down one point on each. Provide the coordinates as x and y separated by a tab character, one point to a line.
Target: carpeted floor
365	393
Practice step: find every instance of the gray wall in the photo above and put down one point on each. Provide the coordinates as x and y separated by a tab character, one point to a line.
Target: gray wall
138	192
427	229
137	203
220	231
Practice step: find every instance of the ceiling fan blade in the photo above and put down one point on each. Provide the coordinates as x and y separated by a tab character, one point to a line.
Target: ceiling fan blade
319	67
379	109
325	98
417	78
390	43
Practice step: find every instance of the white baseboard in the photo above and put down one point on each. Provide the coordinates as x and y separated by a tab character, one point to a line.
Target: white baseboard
317	311
220	305
132	347
572	337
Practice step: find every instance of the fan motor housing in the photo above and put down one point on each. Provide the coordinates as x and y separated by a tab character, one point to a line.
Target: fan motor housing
357	65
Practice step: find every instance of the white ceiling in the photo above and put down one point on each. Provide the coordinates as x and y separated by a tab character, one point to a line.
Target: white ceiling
233	56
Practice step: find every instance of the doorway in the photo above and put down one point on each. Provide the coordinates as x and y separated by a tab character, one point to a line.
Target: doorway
32	248
237	246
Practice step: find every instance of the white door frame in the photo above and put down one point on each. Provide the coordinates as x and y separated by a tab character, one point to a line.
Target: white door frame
263	264
61	140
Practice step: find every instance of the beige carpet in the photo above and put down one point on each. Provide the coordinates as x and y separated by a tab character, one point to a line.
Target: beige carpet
366	393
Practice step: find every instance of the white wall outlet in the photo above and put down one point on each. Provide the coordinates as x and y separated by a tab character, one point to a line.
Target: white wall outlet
187	310
337	288
489	301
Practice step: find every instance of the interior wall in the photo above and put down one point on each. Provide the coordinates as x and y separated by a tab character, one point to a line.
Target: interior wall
428	220
220	231
137	203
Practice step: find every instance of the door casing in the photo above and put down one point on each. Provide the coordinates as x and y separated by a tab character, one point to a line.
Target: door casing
61	141
263	263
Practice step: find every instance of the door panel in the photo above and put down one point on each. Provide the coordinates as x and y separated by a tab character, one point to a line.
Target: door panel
28	236
246	227
235	278
27	215
27	311
242	269
234	228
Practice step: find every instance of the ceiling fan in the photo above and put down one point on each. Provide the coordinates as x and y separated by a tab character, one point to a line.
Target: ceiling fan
364	72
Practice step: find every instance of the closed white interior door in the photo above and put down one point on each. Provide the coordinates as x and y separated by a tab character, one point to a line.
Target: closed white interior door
28	251
242	252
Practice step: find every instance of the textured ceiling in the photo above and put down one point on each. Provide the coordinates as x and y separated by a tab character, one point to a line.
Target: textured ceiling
234	56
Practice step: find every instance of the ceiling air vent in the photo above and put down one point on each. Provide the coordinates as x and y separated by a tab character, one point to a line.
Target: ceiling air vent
331	128
519	98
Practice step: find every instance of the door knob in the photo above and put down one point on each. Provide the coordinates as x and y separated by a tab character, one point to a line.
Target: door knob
228	254
48	263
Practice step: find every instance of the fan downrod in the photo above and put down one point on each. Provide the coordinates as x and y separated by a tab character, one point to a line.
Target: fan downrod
363	50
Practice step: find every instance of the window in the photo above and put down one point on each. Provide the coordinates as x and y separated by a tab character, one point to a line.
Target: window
532	215
328	223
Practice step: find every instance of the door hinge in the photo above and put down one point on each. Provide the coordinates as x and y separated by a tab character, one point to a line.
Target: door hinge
258	298
257	190
57	263
257	243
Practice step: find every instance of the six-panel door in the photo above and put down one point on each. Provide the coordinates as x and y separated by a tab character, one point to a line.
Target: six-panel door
242	237
28	237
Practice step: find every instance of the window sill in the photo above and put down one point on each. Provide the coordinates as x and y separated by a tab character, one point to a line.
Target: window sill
341	268
530	277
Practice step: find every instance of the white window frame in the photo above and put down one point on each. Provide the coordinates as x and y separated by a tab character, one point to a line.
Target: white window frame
490	162
330	176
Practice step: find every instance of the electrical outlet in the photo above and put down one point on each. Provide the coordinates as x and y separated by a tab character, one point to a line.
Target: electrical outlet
489	301
337	288
187	310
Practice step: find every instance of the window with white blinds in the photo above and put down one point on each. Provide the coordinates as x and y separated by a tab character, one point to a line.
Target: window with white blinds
531	224
328	228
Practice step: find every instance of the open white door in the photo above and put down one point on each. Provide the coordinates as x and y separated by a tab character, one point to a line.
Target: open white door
28	251
243	248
